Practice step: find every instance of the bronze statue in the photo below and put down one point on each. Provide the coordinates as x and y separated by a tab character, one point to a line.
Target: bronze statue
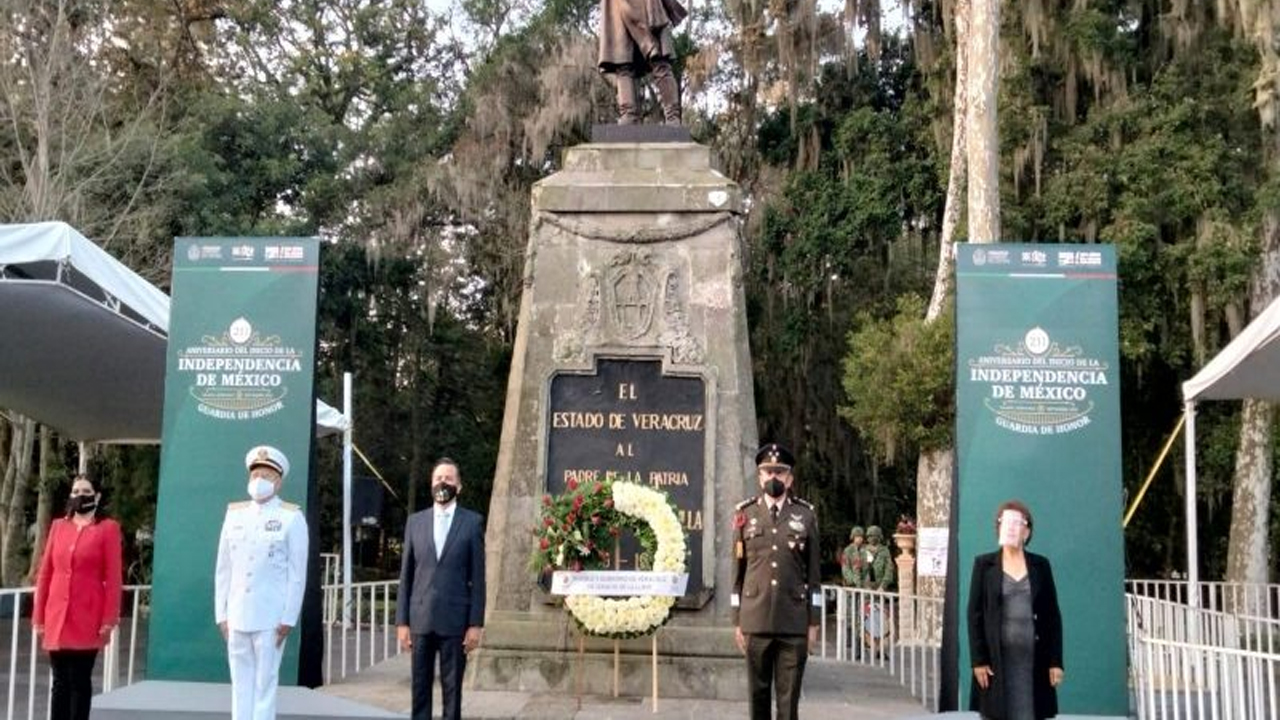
635	36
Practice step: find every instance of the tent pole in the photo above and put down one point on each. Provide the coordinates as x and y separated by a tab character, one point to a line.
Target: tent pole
1193	550
346	500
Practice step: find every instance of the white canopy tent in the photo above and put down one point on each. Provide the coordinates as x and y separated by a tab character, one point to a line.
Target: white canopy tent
84	343
1248	367
84	339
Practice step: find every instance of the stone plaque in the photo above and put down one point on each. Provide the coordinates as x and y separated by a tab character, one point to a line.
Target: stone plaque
630	422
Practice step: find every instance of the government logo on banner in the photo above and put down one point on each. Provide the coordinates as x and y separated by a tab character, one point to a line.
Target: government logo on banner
1037	386
240	374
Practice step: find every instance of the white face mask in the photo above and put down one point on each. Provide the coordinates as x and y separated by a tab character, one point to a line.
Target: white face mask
261	488
1011	525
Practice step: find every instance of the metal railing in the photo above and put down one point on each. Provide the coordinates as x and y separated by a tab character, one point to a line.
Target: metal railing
1220	660
26	675
369	637
1256	599
1181	680
886	630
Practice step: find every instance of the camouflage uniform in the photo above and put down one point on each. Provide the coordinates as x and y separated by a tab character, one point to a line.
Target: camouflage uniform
852	566
880	568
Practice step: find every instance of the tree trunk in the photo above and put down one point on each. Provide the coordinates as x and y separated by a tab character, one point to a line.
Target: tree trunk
1249	546
981	127
956	173
1248	550
13	501
933	510
44	501
935	469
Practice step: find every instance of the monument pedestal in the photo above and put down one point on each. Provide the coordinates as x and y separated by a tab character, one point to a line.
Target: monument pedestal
539	653
631	362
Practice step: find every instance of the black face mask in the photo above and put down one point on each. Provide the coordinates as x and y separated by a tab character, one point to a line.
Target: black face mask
83	504
774	488
444	493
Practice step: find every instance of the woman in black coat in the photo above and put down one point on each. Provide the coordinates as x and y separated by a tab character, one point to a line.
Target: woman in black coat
1015	627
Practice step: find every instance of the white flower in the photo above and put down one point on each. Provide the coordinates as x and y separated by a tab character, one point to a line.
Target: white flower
646	613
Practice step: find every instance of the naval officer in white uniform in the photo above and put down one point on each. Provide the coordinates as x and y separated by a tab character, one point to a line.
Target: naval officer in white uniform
261	573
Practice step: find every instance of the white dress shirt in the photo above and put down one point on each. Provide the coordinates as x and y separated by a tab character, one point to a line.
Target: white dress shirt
443	518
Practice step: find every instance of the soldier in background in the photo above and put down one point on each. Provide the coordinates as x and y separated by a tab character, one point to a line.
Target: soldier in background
853	566
777	592
260	576
880	568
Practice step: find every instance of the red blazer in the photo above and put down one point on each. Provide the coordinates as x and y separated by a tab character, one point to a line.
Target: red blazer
78	590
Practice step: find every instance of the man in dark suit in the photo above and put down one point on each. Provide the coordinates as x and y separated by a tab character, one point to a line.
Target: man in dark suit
777	594
440	606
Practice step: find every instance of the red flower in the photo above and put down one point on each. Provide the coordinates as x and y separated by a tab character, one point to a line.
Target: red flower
577	502
599	488
544	543
570	519
546	500
572	484
608	503
548	522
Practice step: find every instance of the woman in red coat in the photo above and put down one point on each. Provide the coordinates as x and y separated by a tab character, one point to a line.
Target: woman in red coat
78	596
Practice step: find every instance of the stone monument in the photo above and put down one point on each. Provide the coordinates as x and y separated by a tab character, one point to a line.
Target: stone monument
631	361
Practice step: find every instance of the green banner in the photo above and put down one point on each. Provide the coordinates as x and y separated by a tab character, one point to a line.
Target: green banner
239	373
1038	420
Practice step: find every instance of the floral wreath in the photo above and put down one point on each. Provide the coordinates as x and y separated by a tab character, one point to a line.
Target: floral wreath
578	531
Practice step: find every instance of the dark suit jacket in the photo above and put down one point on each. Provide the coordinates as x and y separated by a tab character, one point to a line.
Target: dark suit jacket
444	596
985	614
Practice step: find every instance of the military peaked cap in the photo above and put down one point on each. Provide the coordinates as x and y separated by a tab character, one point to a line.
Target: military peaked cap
267	456
774	454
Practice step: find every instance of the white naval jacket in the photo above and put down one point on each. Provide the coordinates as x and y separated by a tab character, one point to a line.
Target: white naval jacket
262	566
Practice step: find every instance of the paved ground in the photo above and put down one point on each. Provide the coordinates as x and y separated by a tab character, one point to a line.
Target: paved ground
831	691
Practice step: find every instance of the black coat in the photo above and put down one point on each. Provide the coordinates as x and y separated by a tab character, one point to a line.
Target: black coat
986	605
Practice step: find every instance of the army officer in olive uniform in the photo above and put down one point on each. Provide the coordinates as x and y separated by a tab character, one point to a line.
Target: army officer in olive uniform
777	595
261	572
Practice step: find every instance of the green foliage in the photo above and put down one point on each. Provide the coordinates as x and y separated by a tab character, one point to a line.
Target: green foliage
898	377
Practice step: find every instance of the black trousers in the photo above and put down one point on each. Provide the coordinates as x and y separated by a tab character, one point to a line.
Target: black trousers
776	663
72	683
453	663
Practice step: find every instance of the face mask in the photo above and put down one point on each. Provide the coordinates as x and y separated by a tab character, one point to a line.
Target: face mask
261	488
84	504
773	487
1011	525
444	493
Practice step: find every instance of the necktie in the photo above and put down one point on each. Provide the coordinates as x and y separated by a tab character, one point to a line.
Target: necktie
773	513
442	530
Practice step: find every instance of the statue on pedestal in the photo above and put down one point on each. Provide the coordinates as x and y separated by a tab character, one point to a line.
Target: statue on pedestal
635	39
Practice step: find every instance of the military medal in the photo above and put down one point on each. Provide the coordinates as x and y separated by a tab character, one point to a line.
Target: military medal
796	525
273	525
